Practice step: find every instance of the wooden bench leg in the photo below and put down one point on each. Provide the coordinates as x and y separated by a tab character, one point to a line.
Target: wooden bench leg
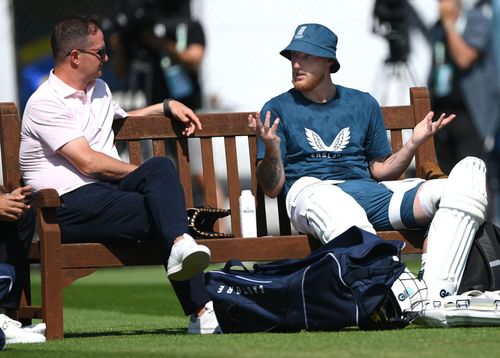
52	302
52	275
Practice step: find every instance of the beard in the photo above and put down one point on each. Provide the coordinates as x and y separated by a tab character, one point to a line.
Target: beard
309	83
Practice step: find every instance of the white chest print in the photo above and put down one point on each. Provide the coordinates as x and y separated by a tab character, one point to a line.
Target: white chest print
338	144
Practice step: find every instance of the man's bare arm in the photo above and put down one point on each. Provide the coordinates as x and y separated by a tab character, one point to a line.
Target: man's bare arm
462	54
93	163
391	167
270	171
271	174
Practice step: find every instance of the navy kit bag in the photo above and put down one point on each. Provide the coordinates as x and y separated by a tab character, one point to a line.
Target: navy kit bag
339	285
7	277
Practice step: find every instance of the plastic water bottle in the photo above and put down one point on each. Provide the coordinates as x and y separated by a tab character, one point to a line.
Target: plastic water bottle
248	221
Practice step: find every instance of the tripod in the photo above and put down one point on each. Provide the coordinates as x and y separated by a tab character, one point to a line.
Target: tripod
393	81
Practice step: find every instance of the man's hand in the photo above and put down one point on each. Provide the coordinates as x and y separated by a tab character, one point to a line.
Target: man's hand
270	171
427	128
265	131
186	115
179	111
449	10
12	205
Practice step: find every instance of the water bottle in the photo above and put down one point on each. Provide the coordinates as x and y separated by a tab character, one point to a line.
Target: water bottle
248	221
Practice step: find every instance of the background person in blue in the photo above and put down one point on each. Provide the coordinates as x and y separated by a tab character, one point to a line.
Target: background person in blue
327	150
461	80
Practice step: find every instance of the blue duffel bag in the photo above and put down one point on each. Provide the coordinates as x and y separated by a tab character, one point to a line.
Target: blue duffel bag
339	285
7	277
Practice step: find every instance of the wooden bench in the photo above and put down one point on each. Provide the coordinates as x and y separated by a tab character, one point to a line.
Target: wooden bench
61	264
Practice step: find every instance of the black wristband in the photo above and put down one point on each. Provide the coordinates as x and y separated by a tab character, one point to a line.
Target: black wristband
166	108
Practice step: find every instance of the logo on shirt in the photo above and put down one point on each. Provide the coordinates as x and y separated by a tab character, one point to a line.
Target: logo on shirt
338	144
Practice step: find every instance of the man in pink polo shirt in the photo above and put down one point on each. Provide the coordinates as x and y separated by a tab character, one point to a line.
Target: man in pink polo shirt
67	144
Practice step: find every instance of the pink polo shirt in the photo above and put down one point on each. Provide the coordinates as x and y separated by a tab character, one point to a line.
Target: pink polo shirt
57	114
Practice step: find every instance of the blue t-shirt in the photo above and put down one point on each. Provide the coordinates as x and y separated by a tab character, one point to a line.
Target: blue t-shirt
333	140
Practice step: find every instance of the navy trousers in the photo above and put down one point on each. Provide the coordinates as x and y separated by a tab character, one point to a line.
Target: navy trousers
15	242
147	202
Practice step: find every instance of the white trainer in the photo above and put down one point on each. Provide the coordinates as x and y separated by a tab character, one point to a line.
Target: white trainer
15	333
35	328
187	258
206	324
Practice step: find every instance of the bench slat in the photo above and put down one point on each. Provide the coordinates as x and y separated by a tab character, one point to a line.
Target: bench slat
135	152
209	179
233	183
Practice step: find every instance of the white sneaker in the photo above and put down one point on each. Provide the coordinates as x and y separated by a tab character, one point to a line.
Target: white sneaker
35	328
206	324
187	258
14	333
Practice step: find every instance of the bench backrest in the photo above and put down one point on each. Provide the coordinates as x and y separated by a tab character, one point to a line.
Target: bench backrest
239	152
226	139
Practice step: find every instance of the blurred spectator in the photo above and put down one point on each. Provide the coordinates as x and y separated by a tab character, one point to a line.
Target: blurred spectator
159	49
460	80
495	154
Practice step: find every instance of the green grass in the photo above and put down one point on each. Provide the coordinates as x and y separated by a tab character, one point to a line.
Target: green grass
133	312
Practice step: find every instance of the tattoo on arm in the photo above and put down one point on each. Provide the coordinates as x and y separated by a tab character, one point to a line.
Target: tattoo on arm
269	173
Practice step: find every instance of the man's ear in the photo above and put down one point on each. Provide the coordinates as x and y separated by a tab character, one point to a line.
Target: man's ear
73	56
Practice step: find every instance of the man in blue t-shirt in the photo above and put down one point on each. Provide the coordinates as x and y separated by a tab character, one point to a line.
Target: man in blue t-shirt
325	147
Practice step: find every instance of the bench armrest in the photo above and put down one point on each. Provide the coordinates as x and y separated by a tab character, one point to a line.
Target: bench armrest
431	170
46	198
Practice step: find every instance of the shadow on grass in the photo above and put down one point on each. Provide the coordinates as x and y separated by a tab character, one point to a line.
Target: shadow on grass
117	333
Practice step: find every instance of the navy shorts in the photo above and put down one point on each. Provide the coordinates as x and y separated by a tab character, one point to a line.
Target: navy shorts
375	199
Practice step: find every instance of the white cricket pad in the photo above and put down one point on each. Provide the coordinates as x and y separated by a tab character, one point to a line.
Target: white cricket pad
473	308
321	209
461	211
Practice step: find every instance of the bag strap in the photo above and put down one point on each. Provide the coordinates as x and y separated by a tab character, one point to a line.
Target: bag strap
228	267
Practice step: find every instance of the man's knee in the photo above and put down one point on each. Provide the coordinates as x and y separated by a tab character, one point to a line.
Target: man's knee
429	195
327	211
159	165
157	171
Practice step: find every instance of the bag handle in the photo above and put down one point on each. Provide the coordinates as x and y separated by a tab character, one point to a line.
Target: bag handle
228	267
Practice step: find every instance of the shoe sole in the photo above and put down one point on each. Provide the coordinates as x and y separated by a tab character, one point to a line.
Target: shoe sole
25	340
194	263
205	331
